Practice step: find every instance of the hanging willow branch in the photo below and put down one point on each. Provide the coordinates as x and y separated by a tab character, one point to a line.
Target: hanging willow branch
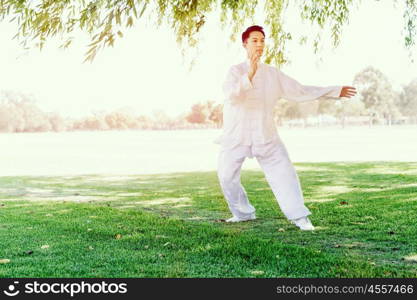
106	20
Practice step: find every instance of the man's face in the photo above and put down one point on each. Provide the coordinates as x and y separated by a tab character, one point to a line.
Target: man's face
255	43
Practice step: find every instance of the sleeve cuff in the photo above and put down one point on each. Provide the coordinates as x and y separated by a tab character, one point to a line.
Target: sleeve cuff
336	90
246	84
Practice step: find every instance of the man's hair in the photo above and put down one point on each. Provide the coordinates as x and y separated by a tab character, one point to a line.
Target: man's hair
248	30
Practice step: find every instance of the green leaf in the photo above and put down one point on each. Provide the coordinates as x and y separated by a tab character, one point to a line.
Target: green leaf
129	22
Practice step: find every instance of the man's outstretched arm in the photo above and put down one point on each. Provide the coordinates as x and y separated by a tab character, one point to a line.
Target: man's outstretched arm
292	90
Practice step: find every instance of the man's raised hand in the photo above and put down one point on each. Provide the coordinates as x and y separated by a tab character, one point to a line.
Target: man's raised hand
348	91
253	66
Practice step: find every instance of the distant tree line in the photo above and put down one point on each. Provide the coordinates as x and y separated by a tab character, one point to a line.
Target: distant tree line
20	113
376	103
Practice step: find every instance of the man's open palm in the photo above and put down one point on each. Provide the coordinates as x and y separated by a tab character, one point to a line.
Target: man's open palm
348	91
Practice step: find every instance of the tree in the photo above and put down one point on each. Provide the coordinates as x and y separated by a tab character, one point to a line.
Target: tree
293	111
98	122
216	115
280	109
407	101
327	107
105	20
19	113
376	92
57	122
199	114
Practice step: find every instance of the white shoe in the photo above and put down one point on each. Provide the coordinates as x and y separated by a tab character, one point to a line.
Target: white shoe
236	219
303	223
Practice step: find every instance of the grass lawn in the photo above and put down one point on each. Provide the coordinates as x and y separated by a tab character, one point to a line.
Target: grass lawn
165	225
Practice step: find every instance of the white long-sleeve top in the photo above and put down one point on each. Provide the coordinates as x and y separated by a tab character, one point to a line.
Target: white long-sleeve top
249	106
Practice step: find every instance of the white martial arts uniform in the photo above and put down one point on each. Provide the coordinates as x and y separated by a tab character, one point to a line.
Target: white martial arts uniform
249	131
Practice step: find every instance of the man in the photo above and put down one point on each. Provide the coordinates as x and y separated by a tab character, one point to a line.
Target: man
252	89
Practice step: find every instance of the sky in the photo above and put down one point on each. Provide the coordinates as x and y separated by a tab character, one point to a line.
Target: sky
145	73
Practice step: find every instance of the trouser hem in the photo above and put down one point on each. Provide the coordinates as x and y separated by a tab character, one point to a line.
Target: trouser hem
296	216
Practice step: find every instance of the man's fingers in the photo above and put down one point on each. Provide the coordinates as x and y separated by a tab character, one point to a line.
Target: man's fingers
348	95
254	55
254	59
348	91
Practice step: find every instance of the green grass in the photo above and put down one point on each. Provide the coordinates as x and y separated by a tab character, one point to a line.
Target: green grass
165	225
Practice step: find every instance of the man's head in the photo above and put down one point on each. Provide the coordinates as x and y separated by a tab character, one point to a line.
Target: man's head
253	39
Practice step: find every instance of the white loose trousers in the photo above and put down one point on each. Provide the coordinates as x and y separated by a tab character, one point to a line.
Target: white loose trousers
279	172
